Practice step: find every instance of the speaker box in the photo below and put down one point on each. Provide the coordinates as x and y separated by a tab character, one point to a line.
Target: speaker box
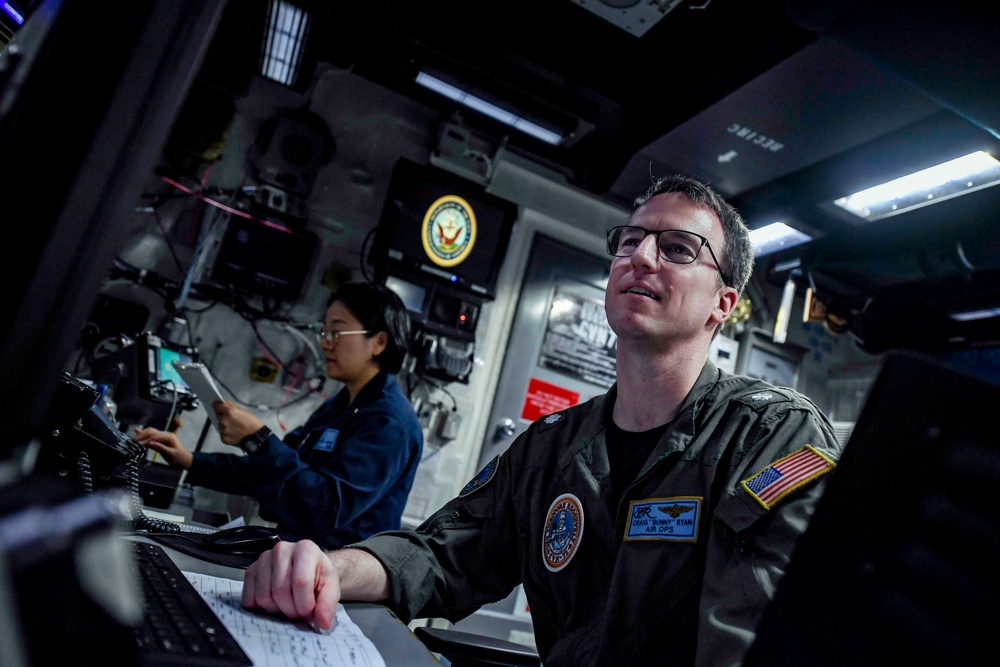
291	148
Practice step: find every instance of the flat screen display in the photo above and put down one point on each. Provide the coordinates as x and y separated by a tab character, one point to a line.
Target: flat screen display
165	371
264	258
888	542
412	296
441	227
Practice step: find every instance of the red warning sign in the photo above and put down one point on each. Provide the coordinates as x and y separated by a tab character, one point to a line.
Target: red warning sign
544	399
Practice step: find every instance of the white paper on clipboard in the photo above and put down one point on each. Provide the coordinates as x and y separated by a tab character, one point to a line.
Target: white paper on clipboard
200	381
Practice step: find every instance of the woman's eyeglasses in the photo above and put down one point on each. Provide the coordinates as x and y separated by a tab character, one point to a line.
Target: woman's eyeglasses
331	337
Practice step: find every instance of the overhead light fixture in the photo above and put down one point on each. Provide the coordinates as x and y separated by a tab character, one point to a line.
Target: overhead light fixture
490	109
947	180
784	310
284	42
774	237
13	12
979	314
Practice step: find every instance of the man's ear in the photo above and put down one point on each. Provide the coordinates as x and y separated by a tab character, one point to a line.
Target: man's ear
725	303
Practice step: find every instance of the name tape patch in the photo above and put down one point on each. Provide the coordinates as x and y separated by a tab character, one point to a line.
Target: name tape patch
563	532
327	440
785	475
667	519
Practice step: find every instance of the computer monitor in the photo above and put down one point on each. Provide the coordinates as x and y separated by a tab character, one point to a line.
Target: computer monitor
91	128
142	380
166	374
436	308
439	228
264	258
897	566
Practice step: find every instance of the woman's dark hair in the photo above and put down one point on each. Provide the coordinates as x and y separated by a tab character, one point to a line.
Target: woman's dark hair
379	309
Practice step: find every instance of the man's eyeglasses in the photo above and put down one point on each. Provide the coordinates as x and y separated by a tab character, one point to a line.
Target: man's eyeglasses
331	337
675	245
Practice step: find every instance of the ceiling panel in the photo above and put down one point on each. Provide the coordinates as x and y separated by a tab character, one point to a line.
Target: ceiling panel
782	105
821	101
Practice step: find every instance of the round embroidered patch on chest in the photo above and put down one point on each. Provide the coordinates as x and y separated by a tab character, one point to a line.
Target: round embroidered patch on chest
563	531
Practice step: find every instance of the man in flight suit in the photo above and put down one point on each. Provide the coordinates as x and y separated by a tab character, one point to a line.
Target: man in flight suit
650	525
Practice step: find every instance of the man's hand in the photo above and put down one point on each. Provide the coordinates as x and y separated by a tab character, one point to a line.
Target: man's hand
235	423
165	443
300	581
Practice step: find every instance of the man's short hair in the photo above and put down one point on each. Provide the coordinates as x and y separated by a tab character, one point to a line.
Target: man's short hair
737	255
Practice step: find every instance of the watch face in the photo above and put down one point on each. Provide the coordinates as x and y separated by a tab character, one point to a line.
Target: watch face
252	442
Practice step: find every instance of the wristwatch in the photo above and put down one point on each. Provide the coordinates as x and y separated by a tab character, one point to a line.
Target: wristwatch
253	442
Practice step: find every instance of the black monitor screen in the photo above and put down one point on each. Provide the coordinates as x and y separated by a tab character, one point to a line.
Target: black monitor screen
897	566
264	258
413	296
444	228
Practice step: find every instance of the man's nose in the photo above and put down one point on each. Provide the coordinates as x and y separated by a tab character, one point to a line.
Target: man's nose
647	252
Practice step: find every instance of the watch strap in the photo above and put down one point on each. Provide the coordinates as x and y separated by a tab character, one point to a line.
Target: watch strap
255	440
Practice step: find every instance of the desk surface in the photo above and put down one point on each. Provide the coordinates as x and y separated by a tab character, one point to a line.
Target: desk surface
391	636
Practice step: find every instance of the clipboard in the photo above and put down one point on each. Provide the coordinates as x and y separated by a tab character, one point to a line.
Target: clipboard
199	380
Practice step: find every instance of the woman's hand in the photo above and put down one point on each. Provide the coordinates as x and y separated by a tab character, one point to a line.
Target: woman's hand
165	443
235	423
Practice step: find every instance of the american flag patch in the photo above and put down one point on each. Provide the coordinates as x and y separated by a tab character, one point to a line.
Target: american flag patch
785	475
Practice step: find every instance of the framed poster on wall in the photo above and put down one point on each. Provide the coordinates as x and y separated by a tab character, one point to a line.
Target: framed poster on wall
578	340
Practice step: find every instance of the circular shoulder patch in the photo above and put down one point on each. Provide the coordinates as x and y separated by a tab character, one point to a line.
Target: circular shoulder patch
483	478
563	531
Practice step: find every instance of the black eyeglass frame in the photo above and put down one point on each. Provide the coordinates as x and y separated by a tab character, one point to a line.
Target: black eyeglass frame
646	232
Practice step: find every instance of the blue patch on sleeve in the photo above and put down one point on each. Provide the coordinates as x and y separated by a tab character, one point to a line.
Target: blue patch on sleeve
483	478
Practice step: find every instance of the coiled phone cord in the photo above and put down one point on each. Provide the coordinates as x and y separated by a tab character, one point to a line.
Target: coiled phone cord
139	519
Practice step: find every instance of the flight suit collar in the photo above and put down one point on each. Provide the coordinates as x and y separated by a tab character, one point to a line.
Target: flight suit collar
677	437
684	427
591	429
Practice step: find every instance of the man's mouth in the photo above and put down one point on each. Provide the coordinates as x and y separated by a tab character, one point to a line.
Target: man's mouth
642	292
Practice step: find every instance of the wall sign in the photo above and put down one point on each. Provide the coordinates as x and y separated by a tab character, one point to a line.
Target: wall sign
578	340
544	399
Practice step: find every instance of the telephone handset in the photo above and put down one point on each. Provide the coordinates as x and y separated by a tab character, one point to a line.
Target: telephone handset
83	442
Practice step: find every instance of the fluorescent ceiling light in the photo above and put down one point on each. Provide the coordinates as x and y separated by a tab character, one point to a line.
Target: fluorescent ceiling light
960	176
981	314
287	27
774	237
493	111
14	13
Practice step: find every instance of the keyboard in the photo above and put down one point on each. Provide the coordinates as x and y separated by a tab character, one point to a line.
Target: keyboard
179	627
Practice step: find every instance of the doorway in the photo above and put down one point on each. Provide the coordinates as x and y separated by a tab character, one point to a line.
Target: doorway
561	350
